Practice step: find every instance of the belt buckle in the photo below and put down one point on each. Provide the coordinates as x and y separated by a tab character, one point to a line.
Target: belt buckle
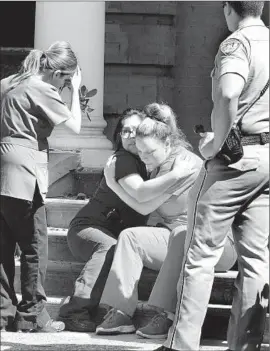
263	138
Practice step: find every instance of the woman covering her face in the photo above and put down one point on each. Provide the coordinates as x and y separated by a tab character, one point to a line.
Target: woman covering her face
164	149
30	108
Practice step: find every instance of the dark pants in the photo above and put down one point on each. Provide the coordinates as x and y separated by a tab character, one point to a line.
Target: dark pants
23	222
95	246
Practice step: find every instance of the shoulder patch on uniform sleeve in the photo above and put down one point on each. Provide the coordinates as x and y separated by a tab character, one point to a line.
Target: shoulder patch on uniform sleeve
229	46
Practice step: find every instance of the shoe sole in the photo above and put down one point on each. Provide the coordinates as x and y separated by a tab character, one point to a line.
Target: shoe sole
151	336
124	329
77	328
80	330
43	330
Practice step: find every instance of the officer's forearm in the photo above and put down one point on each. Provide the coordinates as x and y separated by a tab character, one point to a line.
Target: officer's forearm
224	114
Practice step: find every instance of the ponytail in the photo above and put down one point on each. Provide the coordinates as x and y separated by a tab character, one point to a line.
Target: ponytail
162	113
59	56
163	125
30	66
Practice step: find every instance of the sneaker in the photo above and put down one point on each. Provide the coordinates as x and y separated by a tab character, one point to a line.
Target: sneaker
115	322
79	325
51	327
157	328
9	328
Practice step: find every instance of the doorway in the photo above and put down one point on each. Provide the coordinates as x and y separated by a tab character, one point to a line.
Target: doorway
17	23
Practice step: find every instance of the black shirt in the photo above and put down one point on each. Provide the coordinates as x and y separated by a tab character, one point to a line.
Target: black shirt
106	209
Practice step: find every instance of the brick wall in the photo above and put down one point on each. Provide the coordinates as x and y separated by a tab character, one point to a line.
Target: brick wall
200	28
163	51
139	56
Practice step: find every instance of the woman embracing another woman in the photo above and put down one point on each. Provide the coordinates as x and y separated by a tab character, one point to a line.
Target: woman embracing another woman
94	231
164	149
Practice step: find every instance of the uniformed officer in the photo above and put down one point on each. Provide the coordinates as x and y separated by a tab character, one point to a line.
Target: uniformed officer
236	194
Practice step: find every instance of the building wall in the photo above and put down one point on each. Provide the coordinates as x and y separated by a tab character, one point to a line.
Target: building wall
156	51
163	51
139	55
200	28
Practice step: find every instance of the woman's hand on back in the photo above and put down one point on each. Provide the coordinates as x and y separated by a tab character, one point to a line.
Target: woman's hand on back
109	170
206	144
180	167
76	79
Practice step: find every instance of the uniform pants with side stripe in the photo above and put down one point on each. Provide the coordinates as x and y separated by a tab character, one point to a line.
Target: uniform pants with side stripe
222	197
164	292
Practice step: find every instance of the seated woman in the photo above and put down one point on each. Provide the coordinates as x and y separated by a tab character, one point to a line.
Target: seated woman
93	232
162	147
163	296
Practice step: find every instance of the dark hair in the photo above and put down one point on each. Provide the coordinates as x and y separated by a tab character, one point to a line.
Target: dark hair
126	114
161	124
247	8
59	56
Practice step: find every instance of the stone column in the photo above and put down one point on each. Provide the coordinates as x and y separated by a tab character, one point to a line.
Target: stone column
82	24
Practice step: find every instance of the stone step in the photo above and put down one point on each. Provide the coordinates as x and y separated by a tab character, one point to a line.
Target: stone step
215	325
62	166
67	178
61	275
86	180
60	211
58	247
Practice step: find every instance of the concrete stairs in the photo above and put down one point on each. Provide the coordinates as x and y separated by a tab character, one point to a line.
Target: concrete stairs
63	269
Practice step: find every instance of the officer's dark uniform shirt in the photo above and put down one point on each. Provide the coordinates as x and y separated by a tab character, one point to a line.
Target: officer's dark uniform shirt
106	209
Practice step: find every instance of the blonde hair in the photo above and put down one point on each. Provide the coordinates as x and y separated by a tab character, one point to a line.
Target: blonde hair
162	124
59	56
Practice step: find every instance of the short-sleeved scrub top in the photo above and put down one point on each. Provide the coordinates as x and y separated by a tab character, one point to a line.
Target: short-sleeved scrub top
29	112
174	211
105	209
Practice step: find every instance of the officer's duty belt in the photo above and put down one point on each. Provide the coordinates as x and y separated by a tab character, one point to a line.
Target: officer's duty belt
254	139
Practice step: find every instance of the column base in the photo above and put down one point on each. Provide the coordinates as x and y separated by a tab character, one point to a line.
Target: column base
95	158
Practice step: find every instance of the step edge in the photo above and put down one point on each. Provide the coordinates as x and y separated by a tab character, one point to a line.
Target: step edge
58	299
55	201
76	264
58	264
52	231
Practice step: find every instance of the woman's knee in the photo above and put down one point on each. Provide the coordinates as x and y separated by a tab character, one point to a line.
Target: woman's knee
129	238
127	235
84	242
